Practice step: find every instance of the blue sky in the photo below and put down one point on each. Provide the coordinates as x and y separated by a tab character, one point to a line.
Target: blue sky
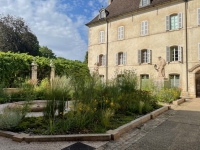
58	24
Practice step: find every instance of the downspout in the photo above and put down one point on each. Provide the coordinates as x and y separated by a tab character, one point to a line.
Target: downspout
107	53
186	46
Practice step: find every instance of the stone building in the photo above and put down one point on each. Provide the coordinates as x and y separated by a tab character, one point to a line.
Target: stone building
132	34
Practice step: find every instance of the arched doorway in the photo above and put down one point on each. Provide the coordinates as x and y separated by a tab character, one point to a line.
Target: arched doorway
197	81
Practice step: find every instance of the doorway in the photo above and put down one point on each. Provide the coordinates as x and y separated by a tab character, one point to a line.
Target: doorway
197	80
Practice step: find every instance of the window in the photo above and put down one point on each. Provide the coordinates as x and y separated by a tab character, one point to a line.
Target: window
102	13
144	3
102	78
121	58
174	53
121	33
199	16
144	27
174	81
144	82
174	21
101	60
101	37
144	56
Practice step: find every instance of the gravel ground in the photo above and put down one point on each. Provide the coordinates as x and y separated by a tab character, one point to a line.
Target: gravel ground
8	144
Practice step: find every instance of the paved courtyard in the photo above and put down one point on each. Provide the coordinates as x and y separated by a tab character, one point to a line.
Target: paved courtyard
178	128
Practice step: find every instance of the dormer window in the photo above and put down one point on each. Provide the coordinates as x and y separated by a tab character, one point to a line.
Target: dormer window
103	13
144	3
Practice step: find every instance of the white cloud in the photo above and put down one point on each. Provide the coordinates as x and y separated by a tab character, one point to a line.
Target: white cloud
53	29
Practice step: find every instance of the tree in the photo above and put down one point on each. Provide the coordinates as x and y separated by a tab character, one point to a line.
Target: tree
86	58
16	36
44	51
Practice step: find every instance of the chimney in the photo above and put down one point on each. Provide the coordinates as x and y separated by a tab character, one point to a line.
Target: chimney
110	1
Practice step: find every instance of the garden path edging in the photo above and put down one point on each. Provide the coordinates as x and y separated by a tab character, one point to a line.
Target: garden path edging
110	135
178	101
116	133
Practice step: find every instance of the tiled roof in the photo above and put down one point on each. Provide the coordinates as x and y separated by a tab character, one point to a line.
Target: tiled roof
119	7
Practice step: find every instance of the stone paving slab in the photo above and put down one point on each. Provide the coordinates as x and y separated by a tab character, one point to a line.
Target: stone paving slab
176	129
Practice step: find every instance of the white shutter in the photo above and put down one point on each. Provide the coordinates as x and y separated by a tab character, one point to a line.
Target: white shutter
103	60
122	32
167	23
199	16
179	53
116	61
124	58
142	28
146	27
139	56
148	56
97	58
102	37
180	20
167	54
119	33
199	50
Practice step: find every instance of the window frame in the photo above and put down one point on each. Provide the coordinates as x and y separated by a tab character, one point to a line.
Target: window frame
102	13
169	54
179	20
120	32
144	27
120	58
101	60
146	4
141	56
141	79
102	37
174	80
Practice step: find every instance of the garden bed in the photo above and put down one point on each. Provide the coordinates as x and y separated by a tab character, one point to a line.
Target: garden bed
109	135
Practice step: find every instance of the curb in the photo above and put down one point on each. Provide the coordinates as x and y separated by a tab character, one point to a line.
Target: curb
55	138
110	135
115	134
178	101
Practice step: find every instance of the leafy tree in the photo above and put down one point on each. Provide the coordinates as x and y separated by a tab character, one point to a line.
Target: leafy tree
86	58
16	36
44	51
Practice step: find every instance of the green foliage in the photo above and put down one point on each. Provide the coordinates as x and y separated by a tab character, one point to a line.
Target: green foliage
16	36
15	68
57	95
3	96
44	51
10	118
168	94
86	58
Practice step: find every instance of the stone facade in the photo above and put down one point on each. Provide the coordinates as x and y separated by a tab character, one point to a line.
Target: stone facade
156	41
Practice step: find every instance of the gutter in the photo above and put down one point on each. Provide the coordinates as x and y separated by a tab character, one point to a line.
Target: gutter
186	45
107	53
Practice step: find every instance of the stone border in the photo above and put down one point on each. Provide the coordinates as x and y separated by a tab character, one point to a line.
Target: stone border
178	101
110	135
115	134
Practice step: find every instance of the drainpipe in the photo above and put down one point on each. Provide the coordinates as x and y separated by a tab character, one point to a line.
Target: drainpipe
107	53
186	45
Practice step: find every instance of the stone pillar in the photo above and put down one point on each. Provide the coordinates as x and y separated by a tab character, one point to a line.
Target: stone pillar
34	70
52	74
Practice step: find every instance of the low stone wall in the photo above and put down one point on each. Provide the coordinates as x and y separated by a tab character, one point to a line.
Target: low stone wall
11	90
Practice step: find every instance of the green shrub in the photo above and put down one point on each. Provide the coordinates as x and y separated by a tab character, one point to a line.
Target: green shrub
10	118
168	94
